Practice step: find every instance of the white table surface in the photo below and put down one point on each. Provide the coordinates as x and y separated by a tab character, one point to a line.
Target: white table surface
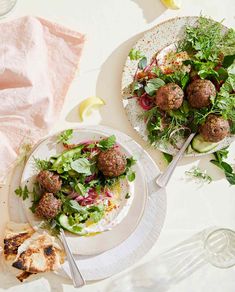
112	27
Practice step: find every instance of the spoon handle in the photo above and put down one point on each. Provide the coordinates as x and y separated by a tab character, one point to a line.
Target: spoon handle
162	179
78	280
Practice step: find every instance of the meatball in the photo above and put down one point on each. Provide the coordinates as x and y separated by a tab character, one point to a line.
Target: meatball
49	181
199	93
214	129
169	97
48	206
111	163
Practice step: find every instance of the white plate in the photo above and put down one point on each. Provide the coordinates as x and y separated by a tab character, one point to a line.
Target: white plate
130	209
145	235
159	37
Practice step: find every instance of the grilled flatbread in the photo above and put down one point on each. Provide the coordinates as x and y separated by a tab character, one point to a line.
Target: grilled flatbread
31	251
40	253
15	235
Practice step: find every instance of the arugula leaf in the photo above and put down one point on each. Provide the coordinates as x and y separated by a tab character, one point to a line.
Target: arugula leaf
65	136
142	63
227	168
71	206
22	192
135	54
107	143
81	165
167	157
81	189
153	85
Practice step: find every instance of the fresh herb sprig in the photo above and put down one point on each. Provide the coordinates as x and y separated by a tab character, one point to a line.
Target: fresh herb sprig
208	40
199	175
65	136
22	192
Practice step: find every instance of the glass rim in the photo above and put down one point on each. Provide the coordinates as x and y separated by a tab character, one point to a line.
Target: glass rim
9	9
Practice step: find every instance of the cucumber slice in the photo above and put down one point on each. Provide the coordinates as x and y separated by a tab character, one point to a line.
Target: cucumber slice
64	222
201	146
189	150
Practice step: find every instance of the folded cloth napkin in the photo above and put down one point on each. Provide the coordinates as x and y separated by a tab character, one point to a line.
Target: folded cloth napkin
38	60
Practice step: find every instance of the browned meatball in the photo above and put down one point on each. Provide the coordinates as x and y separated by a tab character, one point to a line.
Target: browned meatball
214	129
49	181
169	97
199	93
48	206
111	163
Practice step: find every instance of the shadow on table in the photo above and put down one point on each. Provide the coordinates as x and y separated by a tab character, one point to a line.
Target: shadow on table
151	9
43	282
165	270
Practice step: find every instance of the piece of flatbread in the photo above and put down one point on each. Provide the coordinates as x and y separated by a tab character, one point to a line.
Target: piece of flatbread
39	253
15	235
30	251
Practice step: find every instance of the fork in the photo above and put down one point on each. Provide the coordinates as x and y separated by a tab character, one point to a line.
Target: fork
163	179
78	280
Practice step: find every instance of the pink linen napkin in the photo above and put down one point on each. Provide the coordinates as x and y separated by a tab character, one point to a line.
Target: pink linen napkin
38	60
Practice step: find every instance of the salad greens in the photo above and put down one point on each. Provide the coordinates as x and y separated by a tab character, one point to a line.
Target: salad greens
220	162
210	51
85	193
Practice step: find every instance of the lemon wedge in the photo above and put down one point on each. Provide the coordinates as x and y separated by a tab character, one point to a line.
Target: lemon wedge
87	105
172	4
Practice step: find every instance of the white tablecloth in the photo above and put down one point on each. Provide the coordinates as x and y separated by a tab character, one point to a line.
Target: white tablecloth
112	27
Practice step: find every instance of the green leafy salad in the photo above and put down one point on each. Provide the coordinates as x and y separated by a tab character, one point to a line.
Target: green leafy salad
189	88
78	189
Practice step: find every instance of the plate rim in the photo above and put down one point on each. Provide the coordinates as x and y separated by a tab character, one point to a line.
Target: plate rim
144	200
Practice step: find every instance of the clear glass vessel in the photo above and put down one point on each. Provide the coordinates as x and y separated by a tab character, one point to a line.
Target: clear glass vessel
220	248
6	6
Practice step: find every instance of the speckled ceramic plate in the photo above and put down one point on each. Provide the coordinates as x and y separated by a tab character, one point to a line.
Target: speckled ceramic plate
154	40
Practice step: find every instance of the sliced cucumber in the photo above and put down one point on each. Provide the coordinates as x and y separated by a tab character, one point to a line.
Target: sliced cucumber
64	222
189	150
201	146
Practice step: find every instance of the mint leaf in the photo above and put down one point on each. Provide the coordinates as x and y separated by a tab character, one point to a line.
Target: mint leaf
228	61
142	63
153	85
81	165
107	143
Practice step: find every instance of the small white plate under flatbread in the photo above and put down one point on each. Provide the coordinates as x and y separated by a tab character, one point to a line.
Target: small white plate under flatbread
118	224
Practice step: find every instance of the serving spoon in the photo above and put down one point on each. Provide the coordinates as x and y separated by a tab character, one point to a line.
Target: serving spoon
163	179
78	280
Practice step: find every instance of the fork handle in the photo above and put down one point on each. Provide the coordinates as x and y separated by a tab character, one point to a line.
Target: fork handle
78	280
163	179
